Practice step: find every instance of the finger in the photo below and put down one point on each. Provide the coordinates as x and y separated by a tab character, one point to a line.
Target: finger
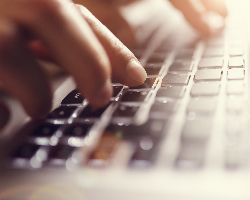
20	75
112	18
218	6
71	42
125	67
113	2
4	115
194	11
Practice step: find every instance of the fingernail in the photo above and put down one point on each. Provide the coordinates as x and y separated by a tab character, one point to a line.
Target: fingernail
104	94
136	72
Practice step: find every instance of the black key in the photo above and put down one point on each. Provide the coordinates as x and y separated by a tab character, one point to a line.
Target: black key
63	112
45	130
182	66
61	152
153	70
77	130
171	91
126	111
185	54
157	58
153	128
163	108
138	53
176	79
190	157
133	133
26	151
147	84
73	97
197	131
134	96
89	112
116	90
145	153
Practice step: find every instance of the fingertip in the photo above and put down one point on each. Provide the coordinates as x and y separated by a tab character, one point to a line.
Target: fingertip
102	96
136	74
211	25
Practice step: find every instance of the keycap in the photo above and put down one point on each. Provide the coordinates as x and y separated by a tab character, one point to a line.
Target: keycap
235	62
176	79
45	130
196	131
180	65
145	153
105	149
235	104
157	58
73	97
89	112
205	89
190	157
232	160
61	152
116	90
77	130
149	82
171	91
235	51
236	74
134	96
214	62
202	105
163	108
63	112
235	87
138	53
208	75
185	54
125	111
26	151
153	70
153	128
214	52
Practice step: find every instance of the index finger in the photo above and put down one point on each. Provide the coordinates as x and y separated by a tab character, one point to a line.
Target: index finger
70	40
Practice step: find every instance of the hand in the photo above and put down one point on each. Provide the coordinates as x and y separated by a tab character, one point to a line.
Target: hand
70	36
195	12
108	12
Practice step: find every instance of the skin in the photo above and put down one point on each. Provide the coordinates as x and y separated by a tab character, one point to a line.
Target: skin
72	37
193	10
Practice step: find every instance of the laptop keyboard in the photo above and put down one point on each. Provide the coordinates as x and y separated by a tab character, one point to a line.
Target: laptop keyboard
191	94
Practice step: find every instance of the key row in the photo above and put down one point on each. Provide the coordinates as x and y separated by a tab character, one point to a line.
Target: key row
218	62
145	140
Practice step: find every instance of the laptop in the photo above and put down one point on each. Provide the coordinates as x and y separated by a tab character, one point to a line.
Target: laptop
183	134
